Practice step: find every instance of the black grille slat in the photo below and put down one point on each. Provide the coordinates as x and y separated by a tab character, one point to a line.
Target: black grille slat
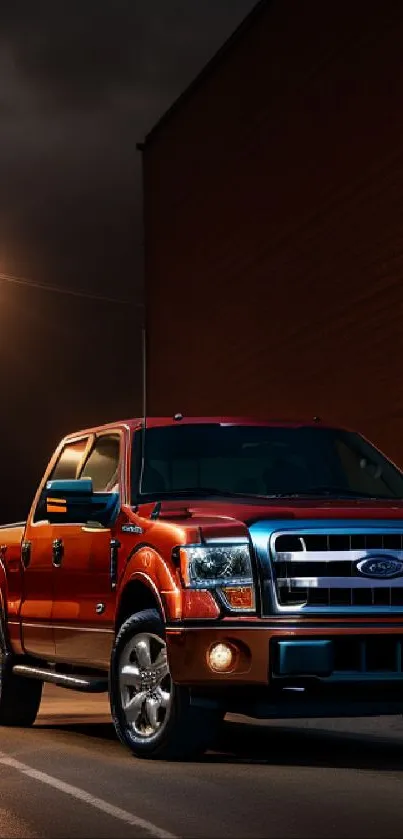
339	597
362	597
396	596
374	542
313	569
357	542
295	597
318	597
289	543
381	596
338	542
392	542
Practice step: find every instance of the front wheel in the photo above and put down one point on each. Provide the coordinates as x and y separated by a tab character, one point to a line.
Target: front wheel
152	715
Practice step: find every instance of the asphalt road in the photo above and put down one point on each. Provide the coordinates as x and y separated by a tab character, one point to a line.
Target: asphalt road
70	777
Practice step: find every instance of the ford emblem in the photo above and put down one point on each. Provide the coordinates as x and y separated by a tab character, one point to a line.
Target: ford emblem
380	567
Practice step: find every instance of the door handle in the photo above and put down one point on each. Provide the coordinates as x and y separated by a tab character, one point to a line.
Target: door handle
57	552
26	553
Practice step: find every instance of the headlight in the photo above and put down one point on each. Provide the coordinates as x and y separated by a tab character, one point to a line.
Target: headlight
209	566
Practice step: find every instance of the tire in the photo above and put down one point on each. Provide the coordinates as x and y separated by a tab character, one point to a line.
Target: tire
152	715
20	698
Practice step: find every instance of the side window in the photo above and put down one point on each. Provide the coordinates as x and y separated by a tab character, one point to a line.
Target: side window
69	461
103	463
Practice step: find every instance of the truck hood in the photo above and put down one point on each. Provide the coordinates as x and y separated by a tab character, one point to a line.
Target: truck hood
216	511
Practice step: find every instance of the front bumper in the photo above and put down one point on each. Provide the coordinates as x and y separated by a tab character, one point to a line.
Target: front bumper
294	672
279	656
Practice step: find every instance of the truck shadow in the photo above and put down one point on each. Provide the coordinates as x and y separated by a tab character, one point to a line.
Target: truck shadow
85	726
284	745
276	745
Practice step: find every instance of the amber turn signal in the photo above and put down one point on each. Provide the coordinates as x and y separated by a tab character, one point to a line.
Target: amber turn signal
241	598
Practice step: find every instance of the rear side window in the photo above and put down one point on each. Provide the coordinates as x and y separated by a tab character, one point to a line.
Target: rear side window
69	461
103	463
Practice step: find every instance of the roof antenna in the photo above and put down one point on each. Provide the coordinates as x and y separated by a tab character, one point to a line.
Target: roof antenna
143	435
156	511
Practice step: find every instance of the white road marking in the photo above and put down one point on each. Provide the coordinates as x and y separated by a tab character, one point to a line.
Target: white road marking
81	795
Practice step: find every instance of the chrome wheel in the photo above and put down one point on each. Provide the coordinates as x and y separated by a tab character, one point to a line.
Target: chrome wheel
145	684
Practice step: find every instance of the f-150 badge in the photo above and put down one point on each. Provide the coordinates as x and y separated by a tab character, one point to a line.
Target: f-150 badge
132	528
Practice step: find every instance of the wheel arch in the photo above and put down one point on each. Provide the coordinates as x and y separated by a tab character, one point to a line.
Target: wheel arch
139	593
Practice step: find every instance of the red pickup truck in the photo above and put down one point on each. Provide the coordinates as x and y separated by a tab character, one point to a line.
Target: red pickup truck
196	566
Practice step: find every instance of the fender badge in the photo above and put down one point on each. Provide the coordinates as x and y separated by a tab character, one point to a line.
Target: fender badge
132	528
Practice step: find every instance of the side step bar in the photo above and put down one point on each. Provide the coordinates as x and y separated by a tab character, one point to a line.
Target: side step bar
88	684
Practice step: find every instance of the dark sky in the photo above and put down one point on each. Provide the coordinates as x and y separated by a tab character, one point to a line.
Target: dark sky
81	81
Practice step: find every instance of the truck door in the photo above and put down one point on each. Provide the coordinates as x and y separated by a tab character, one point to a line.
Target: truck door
38	590
84	597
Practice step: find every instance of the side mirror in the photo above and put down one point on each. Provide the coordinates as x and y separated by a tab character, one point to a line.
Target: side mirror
74	501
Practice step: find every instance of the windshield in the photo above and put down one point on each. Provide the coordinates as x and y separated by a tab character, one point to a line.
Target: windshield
203	459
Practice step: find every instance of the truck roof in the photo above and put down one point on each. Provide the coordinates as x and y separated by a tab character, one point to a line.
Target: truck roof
153	422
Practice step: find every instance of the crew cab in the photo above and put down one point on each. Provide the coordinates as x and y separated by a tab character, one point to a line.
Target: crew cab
192	567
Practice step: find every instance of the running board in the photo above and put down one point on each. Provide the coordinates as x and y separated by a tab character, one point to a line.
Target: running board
88	684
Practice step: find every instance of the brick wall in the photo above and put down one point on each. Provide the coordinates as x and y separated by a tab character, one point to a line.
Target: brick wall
274	225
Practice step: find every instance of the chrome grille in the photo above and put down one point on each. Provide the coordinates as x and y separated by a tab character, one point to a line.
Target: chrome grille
320	570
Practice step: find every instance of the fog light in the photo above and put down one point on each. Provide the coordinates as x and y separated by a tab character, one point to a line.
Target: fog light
221	657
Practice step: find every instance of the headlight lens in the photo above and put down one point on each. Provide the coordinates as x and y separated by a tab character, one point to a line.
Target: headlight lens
211	566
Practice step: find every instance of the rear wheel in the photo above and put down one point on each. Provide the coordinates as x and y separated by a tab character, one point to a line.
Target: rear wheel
152	715
20	698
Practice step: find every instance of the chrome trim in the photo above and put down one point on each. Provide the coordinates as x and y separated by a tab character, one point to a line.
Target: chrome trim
336	556
71	628
340	582
89	684
95	525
